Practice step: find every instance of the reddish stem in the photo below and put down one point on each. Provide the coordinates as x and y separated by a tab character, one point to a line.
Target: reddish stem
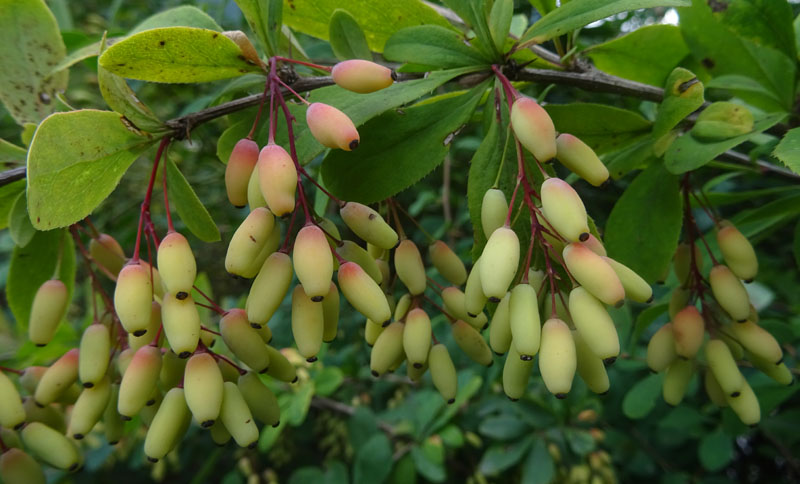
307	64
170	227
288	88
11	370
441	309
208	330
217	307
260	108
145	208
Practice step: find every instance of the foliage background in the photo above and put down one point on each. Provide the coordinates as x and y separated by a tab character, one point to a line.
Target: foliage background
340	424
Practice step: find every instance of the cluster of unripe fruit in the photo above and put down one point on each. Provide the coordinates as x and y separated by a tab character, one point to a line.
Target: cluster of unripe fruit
729	320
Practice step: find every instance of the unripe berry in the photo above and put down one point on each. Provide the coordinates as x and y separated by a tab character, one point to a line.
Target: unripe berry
580	159
499	263
94	354
239	169
474	298
12	414
746	405
57	379
238	419
737	251
262	402
280	367
202	385
417	337
688	329
682	261
590	366
331	127
88	409
132	297
564	209
713	390
557	358
308	324
443	372
361	76
368	225
313	262
277	178
49	307
330	314
243	340
168	425
219	434
401	307
676	381
595	245
455	304
172	369
678	300
181	324
387	349
661	349
757	341
516	372
51	415
636	288
113	425
155	279
107	252
533	128
494	210
139	381
500	327
448	263
594	274
137	342
273	243
349	250
17	467
524	321
51	446
409	267
248	240
255	198
729	292
30	377
371	332
594	324
780	373
363	293
723	366
176	265
472	343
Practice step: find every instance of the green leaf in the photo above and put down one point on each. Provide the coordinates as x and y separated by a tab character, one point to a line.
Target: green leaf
19	224
305	475
715	450
644	320
635	156
483	169
683	95
176	55
647	54
346	37
796	246
602	127
643	228
788	150
12	154
468	385
688	153
34	264
721	52
769	216
92	150
379	18
430	464
265	18
577	13
121	98
373	462
502	427
500	457
765	22
500	21
191	210
361	426
642	397
328	380
299	405
182	16
474	14
432	45
8	197
31	46
737	83
359	107
78	55
538	467
416	139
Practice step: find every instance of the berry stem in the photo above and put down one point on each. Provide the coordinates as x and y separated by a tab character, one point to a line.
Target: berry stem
11	370
209	330
302	63
285	244
217	307
158	335
397	206
260	108
145	208
440	308
396	217
208	306
170	226
298	96
303	172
